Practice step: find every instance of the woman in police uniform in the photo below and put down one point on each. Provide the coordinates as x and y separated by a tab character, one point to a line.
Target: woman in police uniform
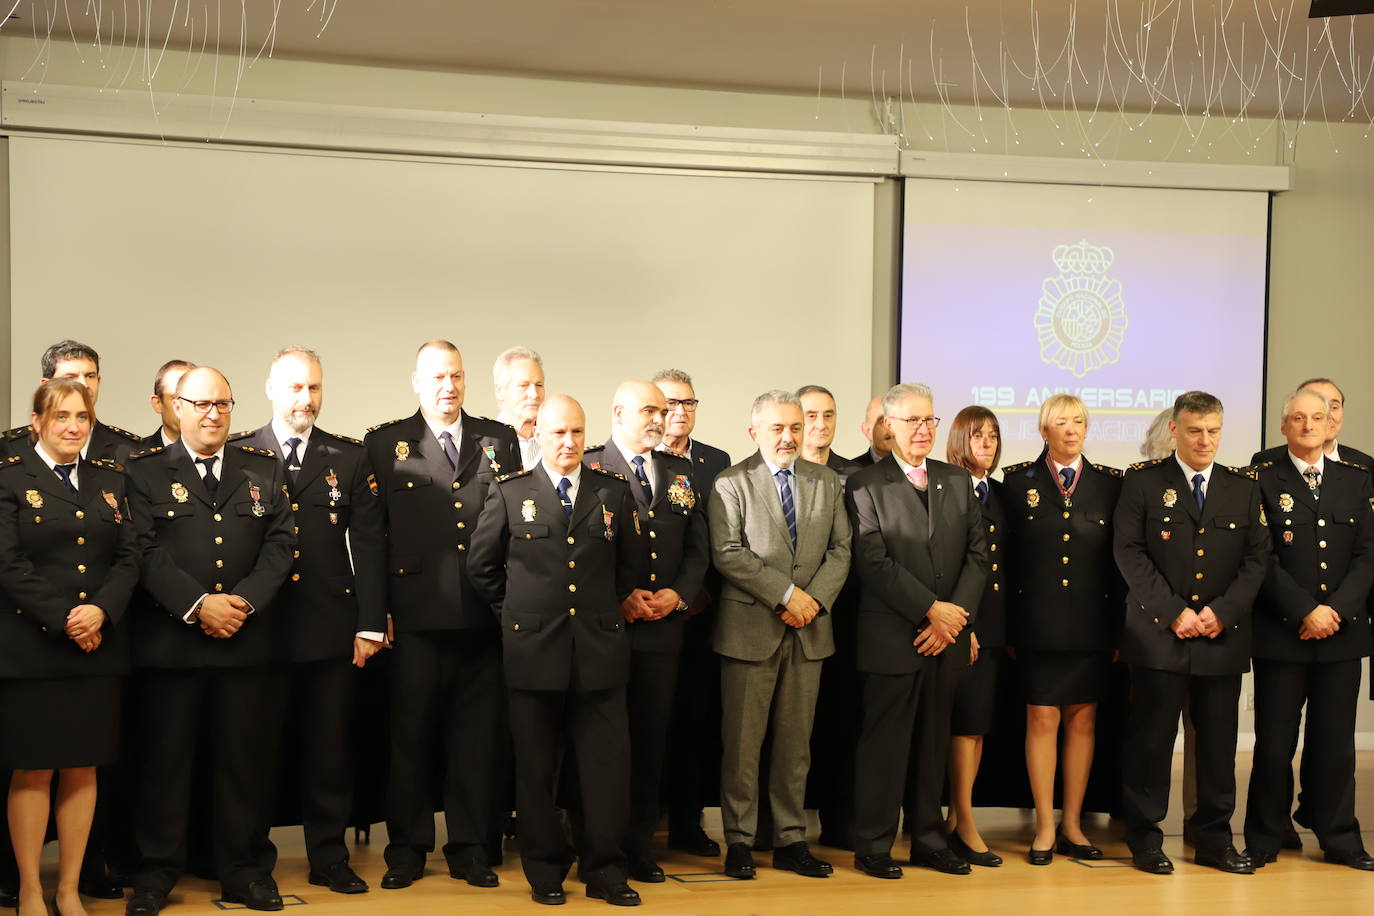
68	564
975	444
1065	615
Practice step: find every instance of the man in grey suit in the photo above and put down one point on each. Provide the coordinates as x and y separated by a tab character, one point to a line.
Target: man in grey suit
780	540
922	559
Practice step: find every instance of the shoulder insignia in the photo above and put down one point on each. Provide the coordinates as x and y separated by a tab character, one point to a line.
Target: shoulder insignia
386	424
124	432
1249	472
15	459
1013	468
513	475
610	473
107	464
1106	469
1141	465
1349	464
349	439
153	450
264	452
18	432
234	437
594	448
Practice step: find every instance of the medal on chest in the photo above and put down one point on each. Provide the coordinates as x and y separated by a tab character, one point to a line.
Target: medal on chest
333	480
113	503
258	510
490	452
680	492
35	498
402	450
527	510
1170	498
608	518
179	492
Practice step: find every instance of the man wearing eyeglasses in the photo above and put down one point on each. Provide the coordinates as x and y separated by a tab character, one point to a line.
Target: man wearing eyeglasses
216	532
921	558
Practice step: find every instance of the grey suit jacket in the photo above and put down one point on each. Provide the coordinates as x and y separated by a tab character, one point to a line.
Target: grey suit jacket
753	552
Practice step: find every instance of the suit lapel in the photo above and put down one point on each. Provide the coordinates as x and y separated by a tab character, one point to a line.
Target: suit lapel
805	486
316	460
1183	488
766	491
182	470
45	480
904	494
232	478
1295	484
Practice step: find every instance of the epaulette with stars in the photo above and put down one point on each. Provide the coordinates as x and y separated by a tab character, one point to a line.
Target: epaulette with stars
135	437
610	473
11	460
1349	464
153	450
1251	473
1141	465
18	432
513	475
234	437
1013	468
1107	469
347	439
107	464
254	450
373	429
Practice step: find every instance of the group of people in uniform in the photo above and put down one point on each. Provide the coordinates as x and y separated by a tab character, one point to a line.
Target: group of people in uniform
567	628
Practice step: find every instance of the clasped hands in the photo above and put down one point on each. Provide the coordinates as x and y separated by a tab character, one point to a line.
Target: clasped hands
221	616
945	620
642	604
1193	623
83	626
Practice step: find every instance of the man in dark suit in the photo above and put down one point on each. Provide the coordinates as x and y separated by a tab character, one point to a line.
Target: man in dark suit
1311	630
821	418
1191	541
558	554
657	612
70	359
1335	421
694	742
780	541
876	431
162	400
432	472
319	639
921	557
214	524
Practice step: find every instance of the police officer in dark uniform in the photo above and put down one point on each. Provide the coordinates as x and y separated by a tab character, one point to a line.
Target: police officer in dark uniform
215	528
1335	421
162	400
432	471
316	614
1311	630
1191	542
70	359
678	548
558	554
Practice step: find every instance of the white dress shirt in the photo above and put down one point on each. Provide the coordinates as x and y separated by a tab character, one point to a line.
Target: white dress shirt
52	464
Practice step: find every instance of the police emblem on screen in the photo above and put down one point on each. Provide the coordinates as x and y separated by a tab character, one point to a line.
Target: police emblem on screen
1081	320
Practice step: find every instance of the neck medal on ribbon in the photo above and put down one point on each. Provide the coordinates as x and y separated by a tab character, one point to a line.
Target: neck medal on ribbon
1066	493
490	452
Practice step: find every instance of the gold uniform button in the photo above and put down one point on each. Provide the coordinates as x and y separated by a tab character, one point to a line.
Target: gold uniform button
80	540
1202	531
991	528
993	547
296	554
80	514
515	627
1232	525
219	540
572	612
400	572
1197	575
457	505
572	564
1321	523
219	564
1321	543
410	483
295	577
348	591
570	540
219	586
81	595
994	567
455	485
170	514
1066	515
528	536
1066	535
1323	564
653	577
1064	582
651	513
462	546
1064	560
295	507
1323	586
38	519
1195	598
653	556
218	517
653	534
572	587
462	524
996	587
81	567
1201	552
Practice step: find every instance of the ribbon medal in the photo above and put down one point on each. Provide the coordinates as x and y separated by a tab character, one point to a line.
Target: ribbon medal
113	503
333	518
608	517
490	452
256	494
1165	535
527	510
333	480
35	498
1033	497
1170	498
179	493
680	492
402	450
1288	537
372	484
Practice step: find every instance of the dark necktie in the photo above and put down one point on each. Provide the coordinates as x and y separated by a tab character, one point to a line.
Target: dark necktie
564	486
789	509
1198	496
981	490
1067	475
211	481
65	472
1314	481
645	492
293	458
450	449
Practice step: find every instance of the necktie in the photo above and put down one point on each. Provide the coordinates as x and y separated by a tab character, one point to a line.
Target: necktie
1314	481
293	458
789	508
450	449
564	486
1067	475
917	476
1198	496
982	491
211	481
65	472
645	492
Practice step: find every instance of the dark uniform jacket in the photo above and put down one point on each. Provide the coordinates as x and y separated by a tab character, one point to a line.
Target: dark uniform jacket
678	546
907	557
1174	558
842	466
1323	554
316	610
428	514
707	462
1068	592
153	440
556	583
108	442
991	625
58	550
240	543
1348	454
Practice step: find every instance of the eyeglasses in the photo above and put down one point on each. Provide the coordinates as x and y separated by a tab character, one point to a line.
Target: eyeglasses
689	405
203	407
931	422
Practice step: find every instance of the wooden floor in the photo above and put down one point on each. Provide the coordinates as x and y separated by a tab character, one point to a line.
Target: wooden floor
1299	884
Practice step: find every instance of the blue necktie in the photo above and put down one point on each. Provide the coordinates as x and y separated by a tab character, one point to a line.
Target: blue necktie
1067	474
293	458
564	486
645	492
1198	496
789	509
982	491
450	450
65	472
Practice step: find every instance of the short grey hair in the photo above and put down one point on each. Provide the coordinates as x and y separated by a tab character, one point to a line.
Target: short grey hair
1306	392
304	353
776	396
673	375
900	392
500	370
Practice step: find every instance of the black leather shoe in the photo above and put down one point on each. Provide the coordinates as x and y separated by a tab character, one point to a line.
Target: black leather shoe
1291	840
1259	858
144	903
261	894
942	860
399	876
988	859
1152	861
646	870
1227	860
739	862
340	879
619	894
478	874
1087	852
549	896
100	886
878	866
1040	856
797	857
1361	860
693	841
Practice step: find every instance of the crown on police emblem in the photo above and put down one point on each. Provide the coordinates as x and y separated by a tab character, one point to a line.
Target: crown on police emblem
1081	321
1083	259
